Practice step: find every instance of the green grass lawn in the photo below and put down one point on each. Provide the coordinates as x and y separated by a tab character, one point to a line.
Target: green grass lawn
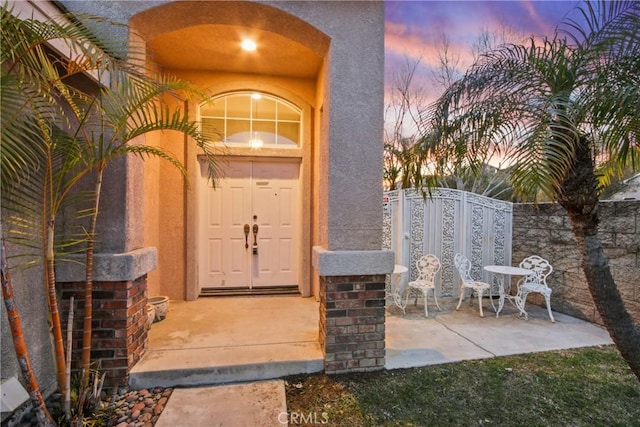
582	387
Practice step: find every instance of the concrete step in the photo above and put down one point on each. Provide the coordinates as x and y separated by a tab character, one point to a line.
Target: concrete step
228	364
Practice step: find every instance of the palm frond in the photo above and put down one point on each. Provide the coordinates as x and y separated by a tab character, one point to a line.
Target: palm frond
534	101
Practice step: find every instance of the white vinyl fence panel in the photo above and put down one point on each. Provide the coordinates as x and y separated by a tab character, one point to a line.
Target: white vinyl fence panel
444	223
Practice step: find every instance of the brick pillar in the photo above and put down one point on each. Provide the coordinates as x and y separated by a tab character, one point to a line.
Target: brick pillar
352	323
119	336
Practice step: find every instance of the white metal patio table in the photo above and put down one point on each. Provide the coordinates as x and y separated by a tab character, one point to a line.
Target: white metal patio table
507	271
396	290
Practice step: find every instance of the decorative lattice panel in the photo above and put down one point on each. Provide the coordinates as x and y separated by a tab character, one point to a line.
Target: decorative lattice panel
445	222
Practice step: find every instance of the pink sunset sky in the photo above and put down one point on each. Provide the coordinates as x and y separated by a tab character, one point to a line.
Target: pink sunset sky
413	29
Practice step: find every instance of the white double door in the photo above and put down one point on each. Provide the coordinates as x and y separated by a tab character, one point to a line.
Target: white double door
249	224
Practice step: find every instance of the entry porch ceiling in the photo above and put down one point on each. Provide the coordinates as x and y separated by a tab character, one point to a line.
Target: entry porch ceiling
217	48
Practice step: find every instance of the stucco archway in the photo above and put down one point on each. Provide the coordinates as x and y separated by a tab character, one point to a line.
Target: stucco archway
200	42
172	31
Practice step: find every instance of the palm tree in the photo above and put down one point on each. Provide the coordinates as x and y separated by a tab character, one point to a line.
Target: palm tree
24	361
54	133
565	109
130	108
32	162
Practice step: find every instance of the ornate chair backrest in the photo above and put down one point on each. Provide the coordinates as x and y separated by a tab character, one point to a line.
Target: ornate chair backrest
540	266
427	267
463	265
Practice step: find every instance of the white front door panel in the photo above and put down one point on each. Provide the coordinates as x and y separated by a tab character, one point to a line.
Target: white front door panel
274	204
262	194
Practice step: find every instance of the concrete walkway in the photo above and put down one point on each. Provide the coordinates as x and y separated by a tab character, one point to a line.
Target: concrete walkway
252	404
285	328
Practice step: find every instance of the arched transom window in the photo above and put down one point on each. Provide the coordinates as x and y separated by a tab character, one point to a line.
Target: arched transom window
251	119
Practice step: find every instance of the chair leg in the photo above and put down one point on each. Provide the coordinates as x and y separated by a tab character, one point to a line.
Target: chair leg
547	298
480	302
523	302
462	289
426	294
436	299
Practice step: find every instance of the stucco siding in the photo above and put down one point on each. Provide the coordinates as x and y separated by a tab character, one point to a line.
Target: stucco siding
355	119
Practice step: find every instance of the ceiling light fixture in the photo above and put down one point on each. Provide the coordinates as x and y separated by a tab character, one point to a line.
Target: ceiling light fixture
248	45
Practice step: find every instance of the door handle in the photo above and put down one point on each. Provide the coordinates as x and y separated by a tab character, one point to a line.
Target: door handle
246	236
255	239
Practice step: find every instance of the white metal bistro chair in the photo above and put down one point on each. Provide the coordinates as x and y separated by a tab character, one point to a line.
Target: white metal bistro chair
463	265
536	282
427	267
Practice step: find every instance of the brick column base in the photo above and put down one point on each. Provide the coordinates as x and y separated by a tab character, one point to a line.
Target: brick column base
352	323
119	329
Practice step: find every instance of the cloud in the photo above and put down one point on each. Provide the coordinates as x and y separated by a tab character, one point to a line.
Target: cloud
413	30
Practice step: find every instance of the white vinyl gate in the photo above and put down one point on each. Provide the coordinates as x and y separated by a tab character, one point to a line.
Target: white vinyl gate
444	223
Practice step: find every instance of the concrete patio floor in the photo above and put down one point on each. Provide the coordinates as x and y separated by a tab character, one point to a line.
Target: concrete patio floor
223	354
452	336
238	339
